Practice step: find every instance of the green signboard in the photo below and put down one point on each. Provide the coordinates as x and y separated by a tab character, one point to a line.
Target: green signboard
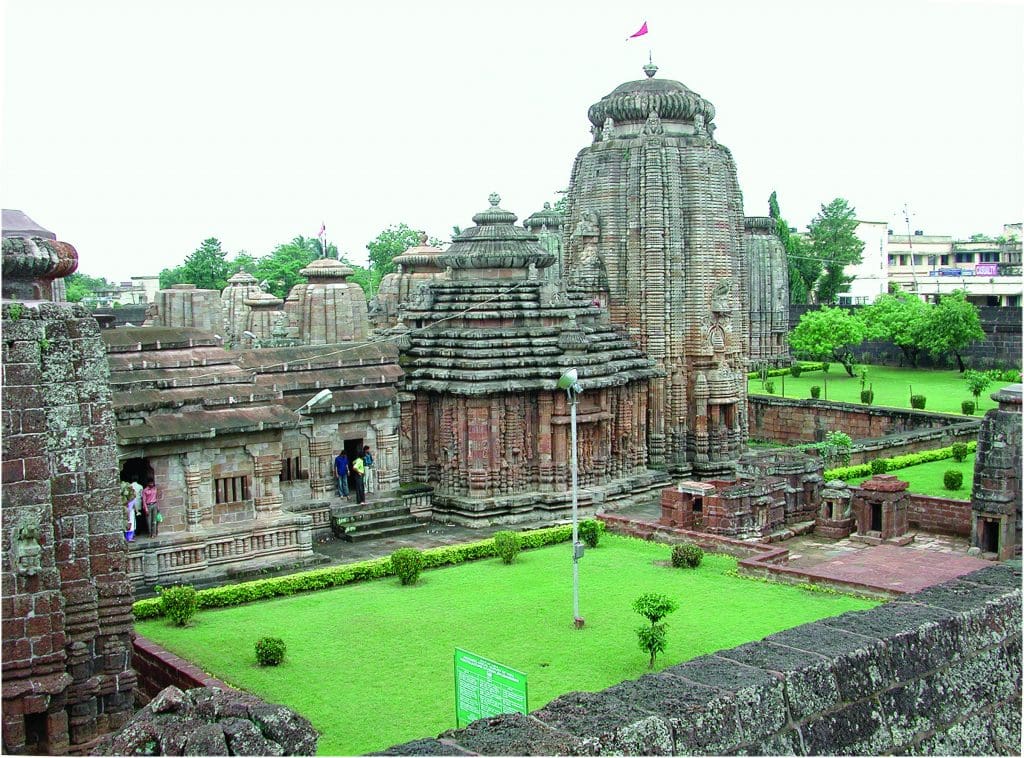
484	688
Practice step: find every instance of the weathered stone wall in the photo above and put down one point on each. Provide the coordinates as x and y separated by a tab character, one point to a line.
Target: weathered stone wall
996	494
933	673
940	515
1001	347
66	608
158	668
792	421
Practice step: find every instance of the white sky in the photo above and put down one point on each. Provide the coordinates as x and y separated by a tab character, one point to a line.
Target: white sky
136	129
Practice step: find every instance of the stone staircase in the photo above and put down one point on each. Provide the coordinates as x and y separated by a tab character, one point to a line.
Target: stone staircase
374	519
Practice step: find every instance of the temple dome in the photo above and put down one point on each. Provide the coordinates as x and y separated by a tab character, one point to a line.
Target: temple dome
495	242
634	101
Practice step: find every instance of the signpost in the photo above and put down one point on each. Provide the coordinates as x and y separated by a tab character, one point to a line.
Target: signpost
485	688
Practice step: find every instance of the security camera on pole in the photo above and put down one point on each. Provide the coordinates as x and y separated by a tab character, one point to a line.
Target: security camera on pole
568	381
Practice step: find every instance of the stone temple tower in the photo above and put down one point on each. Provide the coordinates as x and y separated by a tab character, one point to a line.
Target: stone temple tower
655	229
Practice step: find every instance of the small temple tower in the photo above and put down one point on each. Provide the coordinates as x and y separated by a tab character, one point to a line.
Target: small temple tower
328	308
483	351
414	267
547	225
240	286
996	497
655	225
768	273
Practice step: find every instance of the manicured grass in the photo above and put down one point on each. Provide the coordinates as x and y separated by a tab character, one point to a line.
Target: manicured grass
926	478
943	390
371	664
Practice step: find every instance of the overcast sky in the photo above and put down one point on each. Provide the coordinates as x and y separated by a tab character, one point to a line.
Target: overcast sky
136	129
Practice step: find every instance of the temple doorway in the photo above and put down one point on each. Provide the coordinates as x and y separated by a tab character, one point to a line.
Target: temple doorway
989	535
876	517
353	447
138	470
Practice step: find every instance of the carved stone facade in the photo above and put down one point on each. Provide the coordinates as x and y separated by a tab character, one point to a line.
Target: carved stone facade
744	509
547	225
768	273
835	516
414	268
880	508
996	497
655	228
800	472
66	604
241	286
483	351
183	306
327	309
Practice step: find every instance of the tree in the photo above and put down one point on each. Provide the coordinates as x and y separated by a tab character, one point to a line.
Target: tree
952	325
803	269
827	334
242	261
79	286
654	607
207	268
900	318
391	242
977	382
833	241
280	269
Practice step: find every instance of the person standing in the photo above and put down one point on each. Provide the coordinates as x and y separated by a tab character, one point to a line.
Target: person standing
150	509
371	472
128	503
359	470
341	471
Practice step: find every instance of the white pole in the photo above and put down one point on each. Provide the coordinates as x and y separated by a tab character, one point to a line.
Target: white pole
575	524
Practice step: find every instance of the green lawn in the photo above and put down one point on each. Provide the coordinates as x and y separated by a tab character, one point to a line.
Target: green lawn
944	390
926	478
371	664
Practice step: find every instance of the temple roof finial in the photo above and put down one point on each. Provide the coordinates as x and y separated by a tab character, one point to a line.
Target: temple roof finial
650	69
494	198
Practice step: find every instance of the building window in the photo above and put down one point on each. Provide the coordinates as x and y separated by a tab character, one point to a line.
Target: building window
918	260
992	257
231	489
904	260
291	467
943	260
964	258
892	260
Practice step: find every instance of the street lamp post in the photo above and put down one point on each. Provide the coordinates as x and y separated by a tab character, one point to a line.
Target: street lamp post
568	381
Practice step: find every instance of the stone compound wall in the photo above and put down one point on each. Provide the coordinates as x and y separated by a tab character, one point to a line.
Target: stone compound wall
933	673
940	515
792	421
66	608
1001	347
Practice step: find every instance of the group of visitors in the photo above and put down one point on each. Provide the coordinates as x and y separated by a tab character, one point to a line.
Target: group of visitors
140	502
359	470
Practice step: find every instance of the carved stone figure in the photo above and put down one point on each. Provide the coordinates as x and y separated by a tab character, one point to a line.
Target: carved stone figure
26	549
608	130
653	125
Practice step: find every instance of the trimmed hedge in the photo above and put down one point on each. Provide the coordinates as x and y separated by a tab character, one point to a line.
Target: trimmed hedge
899	461
803	366
337	576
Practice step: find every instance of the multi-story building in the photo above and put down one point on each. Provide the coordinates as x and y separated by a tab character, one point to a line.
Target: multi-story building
989	269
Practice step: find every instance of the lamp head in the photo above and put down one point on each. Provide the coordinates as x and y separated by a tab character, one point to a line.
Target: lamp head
319	397
569	381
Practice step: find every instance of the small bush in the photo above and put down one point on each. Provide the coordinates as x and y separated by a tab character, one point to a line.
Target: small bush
967	406
591	531
687	555
179	603
507	546
270	651
796	370
653	607
406	564
879	466
815	391
917	401
867	396
825	366
952	479
769	387
959	450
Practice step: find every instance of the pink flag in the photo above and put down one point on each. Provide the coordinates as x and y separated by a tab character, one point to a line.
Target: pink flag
640	32
323	229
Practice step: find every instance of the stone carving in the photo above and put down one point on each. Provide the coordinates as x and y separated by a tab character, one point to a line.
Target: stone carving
589	225
720	302
653	125
26	550
212	721
608	130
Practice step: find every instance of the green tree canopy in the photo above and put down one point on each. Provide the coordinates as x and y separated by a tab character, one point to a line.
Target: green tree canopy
804	270
79	286
900	318
952	326
833	241
280	269
207	268
391	242
827	334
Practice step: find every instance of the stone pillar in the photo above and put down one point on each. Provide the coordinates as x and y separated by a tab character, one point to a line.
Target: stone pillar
407	404
385	457
193	501
321	471
478	446
996	493
880	507
266	493
545	404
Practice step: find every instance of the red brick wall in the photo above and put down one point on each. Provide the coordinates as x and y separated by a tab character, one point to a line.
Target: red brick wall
940	514
158	668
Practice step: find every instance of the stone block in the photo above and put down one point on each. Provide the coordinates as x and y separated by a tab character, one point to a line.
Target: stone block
426	747
606	724
857	729
513	734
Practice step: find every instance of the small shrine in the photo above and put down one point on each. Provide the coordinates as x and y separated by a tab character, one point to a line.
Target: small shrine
880	509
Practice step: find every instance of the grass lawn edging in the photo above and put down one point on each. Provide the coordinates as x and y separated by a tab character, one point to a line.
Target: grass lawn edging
896	462
336	576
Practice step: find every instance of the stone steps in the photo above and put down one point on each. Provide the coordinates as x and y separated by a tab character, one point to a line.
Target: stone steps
373	520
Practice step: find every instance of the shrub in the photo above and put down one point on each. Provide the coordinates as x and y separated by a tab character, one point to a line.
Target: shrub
769	387
506	544
825	366
867	396
796	370
879	466
959	451
952	479
896	462
269	651
179	603
406	564
917	401
815	391
967	406
687	555
653	607
591	531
